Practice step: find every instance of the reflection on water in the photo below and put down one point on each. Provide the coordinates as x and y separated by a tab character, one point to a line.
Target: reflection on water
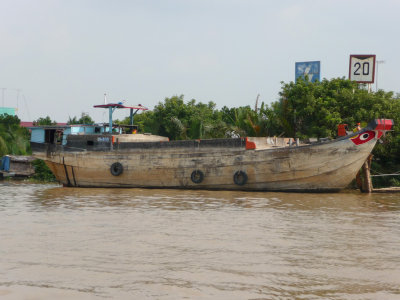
173	244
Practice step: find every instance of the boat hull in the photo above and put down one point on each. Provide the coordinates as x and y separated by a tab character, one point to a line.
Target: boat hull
329	166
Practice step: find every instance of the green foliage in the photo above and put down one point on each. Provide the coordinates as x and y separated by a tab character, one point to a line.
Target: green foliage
192	120
179	120
13	138
84	119
42	171
244	121
44	121
314	109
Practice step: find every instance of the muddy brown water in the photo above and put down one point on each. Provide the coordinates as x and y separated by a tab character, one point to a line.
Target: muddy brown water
71	243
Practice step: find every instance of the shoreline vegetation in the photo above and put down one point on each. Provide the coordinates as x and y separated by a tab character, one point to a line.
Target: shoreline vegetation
304	110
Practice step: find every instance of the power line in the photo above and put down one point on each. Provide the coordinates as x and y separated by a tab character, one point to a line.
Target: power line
3	90
27	108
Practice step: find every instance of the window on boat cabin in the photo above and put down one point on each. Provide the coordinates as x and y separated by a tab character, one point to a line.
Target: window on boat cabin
97	129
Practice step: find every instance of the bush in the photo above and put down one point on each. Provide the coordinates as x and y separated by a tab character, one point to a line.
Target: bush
42	171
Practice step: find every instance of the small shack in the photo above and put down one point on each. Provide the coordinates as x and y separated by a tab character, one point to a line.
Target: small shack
16	166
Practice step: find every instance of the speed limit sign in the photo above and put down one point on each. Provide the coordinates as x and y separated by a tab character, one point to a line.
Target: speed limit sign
362	68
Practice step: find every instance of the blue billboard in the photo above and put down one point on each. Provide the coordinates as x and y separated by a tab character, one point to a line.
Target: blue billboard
310	68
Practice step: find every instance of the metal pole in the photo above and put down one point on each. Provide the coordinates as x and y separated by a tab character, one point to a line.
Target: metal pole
377	64
18	90
110	112
131	117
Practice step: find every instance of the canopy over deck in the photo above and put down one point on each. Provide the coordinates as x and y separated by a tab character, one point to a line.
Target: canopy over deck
113	106
120	105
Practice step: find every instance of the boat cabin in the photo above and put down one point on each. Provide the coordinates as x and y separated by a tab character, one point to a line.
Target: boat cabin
57	134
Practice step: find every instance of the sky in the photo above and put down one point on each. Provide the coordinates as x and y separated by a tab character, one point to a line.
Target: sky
58	58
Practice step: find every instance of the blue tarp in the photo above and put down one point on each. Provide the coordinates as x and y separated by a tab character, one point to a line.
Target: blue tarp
5	164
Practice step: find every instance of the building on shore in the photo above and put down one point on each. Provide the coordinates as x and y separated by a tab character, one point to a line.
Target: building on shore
7	110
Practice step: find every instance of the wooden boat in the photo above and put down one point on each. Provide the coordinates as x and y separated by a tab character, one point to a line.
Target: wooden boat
19	166
95	156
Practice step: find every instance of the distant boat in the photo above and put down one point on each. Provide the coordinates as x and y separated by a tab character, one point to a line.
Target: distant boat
19	166
103	156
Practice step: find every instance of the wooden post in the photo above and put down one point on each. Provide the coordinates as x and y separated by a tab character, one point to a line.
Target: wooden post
359	181
367	182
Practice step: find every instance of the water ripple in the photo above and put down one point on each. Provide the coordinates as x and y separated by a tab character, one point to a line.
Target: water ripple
176	244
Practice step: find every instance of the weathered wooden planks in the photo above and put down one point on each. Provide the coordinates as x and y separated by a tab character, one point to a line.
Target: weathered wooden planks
322	167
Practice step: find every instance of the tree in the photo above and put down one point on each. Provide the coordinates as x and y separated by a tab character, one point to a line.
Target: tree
44	121
179	120
307	109
13	138
84	119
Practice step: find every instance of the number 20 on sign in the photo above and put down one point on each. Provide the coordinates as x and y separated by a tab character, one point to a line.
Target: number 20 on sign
362	68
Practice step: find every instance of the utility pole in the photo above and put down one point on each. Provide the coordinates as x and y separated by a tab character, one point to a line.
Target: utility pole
377	64
18	91
256	106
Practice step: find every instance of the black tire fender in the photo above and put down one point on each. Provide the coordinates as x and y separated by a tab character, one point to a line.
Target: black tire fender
197	176
240	178
116	169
